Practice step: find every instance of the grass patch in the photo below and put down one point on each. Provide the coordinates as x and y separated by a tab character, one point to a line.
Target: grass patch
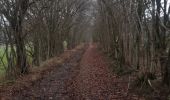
3	58
3	61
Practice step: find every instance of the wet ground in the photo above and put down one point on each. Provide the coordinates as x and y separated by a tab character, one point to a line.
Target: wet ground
83	77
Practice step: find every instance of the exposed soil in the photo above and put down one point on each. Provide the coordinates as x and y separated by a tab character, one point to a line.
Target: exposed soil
82	77
97	82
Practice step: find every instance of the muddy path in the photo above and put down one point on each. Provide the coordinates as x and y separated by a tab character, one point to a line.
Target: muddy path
96	81
54	85
85	76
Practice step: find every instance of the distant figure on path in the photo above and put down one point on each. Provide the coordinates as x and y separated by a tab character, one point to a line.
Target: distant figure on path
65	45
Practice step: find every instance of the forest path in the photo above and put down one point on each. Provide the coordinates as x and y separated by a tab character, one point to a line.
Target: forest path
96	80
83	77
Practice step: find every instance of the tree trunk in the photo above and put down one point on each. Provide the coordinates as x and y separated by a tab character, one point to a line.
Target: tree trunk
21	60
166	77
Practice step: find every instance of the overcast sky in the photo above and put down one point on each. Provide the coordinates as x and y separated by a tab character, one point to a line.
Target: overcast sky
168	3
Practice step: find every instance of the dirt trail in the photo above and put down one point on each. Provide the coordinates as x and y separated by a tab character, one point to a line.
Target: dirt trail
97	82
84	77
54	84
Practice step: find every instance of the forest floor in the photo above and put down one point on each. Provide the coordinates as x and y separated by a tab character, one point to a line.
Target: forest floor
83	76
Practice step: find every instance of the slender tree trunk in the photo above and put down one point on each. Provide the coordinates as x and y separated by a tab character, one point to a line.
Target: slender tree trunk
20	50
166	78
